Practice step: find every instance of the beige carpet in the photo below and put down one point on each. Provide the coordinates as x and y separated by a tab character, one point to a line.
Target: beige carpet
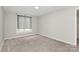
36	43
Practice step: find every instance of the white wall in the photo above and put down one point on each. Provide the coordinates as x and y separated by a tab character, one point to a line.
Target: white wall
60	25
11	26
1	27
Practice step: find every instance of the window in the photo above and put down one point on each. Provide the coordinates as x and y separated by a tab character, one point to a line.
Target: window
24	23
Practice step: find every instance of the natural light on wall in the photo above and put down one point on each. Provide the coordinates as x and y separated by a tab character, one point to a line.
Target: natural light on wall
24	30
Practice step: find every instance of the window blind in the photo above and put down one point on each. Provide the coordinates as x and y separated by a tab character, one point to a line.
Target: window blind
24	22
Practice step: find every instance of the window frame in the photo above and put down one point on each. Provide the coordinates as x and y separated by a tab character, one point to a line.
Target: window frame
24	30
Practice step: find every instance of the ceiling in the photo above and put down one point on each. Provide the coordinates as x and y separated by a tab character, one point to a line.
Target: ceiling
30	10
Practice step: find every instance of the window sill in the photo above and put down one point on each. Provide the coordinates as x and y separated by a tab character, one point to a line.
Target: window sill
24	30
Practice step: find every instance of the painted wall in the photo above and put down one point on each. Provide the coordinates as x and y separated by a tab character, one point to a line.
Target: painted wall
11	26
60	25
1	27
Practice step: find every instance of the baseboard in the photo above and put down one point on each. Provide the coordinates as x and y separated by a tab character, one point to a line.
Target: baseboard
1	45
17	36
58	40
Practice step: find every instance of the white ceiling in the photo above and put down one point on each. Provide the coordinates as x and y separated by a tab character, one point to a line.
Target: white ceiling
30	10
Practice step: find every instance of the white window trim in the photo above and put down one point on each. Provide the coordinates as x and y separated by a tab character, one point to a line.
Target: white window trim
24	30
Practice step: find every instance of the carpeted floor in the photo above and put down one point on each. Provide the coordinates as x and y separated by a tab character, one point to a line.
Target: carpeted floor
37	43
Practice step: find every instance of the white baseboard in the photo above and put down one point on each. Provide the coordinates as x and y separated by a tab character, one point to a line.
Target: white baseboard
16	36
59	40
1	45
